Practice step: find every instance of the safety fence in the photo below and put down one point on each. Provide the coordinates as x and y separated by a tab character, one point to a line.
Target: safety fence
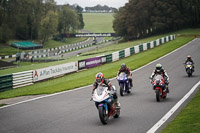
6	82
25	78
21	79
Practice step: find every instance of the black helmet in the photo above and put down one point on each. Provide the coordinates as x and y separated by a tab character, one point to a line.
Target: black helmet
158	67
123	66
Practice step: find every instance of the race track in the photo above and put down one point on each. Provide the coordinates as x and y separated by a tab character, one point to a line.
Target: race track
72	112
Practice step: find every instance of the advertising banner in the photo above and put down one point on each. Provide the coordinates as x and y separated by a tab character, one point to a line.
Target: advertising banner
93	62
81	64
52	71
103	59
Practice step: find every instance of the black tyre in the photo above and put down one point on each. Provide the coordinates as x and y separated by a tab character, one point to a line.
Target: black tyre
158	95
165	96
122	90
117	114
189	72
102	115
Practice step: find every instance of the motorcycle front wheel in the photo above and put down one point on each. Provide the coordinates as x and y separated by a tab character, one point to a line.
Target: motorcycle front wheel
158	95
189	72
122	90
117	114
102	115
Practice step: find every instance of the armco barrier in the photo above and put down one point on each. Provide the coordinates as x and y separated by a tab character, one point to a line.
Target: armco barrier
121	54
127	52
6	82
132	50
109	58
148	45
22	79
115	56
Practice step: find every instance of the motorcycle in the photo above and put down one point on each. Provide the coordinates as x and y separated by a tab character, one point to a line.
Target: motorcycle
125	86
159	87
188	68
105	104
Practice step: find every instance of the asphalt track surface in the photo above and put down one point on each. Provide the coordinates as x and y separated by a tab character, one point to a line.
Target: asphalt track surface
72	112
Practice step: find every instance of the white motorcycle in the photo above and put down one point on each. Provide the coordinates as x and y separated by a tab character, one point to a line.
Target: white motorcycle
105	104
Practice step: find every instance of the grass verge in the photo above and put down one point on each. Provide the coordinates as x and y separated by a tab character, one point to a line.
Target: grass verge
86	77
1	105
188	120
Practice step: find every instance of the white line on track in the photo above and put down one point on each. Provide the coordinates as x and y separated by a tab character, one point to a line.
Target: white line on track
91	85
173	110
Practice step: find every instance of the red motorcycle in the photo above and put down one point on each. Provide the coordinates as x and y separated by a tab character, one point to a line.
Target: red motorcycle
159	87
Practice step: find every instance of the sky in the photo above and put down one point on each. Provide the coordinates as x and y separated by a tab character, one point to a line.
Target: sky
90	3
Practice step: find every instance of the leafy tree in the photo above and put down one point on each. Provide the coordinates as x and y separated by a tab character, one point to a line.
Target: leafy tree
49	26
79	11
68	20
141	18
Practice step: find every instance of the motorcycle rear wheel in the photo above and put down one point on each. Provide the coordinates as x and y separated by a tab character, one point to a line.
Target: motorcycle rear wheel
102	115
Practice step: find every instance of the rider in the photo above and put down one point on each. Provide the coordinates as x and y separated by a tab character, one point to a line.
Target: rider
161	71
127	71
101	80
189	59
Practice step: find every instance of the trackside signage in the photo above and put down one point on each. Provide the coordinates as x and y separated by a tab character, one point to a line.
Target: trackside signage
52	71
93	62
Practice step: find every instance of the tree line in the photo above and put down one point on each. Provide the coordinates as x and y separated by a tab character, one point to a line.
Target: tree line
99	8
37	19
142	18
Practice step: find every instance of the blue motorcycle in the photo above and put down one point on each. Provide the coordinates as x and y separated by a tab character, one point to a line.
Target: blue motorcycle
125	86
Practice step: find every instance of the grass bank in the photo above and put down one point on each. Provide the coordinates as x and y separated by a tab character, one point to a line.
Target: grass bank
98	22
188	120
67	82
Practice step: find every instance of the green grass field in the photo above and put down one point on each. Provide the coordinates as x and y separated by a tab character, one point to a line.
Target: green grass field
98	22
188	120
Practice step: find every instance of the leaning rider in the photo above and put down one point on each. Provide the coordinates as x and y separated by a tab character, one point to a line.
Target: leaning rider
101	80
127	71
162	72
189	59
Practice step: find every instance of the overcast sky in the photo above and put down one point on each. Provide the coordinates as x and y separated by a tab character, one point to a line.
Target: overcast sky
89	3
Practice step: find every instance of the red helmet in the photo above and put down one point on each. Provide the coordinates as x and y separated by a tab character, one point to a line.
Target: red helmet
99	78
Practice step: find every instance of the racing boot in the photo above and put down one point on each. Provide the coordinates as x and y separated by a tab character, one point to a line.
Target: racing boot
167	88
131	83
